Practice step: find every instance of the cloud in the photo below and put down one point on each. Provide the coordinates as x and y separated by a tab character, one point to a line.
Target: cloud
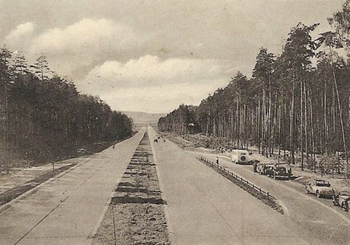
155	85
21	35
85	37
151	70
81	44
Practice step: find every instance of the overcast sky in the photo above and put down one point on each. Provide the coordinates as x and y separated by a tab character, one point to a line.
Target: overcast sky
152	55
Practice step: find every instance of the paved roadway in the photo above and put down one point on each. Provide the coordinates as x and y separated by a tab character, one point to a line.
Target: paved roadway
317	218
67	209
205	208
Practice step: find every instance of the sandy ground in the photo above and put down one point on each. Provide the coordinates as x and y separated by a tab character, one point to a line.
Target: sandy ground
19	176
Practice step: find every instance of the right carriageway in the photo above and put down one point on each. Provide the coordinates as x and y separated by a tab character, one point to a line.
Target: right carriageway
313	218
203	207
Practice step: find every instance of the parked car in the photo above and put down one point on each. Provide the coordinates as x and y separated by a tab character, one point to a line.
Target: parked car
280	172
240	156
265	169
319	187
342	199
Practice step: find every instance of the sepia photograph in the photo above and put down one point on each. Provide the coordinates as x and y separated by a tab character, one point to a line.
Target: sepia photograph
174	122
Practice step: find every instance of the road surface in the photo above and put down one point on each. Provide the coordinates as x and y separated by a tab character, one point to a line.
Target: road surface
67	210
317	218
202	206
205	208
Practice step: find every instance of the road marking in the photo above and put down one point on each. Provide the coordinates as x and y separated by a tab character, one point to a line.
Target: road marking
62	201
333	233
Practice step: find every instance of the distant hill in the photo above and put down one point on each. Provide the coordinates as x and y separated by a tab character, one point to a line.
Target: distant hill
142	118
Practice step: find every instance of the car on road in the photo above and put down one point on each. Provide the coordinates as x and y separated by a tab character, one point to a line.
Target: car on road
320	188
342	199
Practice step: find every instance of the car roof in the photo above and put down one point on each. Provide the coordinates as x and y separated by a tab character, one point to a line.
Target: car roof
320	180
239	150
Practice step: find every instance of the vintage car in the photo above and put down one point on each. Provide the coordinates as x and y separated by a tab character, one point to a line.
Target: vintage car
280	172
319	187
240	156
342	199
265	169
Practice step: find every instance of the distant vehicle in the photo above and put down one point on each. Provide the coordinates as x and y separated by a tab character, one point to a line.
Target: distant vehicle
280	172
265	169
342	200
240	156
83	151
340	155
319	187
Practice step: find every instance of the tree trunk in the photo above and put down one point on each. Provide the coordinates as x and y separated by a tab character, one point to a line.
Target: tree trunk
301	126
292	125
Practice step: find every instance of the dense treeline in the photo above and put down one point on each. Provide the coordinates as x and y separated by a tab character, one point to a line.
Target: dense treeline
290	103
182	120
43	116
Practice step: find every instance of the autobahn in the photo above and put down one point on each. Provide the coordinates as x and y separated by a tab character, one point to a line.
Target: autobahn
205	208
317	218
202	207
67	209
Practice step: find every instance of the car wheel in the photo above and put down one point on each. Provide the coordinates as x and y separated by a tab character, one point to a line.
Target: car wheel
318	194
344	206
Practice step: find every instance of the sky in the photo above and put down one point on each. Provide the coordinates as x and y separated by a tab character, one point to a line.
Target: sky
153	55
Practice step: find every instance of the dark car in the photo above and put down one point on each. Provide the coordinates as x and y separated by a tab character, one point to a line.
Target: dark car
265	169
280	172
342	199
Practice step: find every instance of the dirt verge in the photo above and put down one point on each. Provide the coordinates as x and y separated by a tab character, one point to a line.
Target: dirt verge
8	195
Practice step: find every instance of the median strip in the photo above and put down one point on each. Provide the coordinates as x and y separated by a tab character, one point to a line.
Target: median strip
136	214
254	190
